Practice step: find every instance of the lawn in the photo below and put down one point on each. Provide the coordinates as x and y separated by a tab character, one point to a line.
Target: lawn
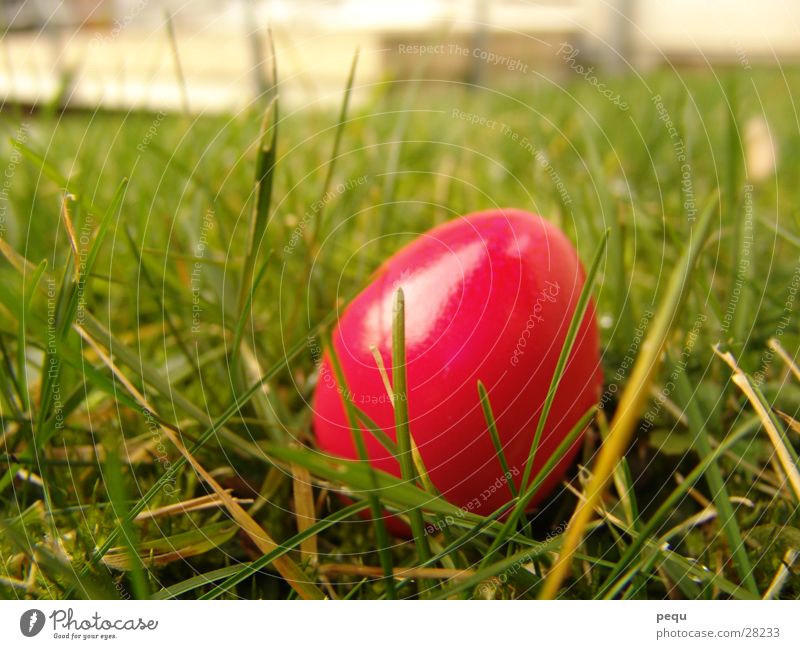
156	426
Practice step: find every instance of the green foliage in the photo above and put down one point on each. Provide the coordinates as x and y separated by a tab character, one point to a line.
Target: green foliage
214	296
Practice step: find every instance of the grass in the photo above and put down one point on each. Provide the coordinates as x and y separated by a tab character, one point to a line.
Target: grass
169	283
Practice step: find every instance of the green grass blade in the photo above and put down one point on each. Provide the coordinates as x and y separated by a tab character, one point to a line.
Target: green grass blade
376	431
85	271
175	467
152	377
337	141
530	491
22	341
615	272
381	534
716	482
253	567
113	479
360	480
12	390
168	315
566	350
241	322
498	446
633	397
515	561
402	431
661	514
198	581
264	179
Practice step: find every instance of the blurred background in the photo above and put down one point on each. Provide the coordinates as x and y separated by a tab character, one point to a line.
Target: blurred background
213	55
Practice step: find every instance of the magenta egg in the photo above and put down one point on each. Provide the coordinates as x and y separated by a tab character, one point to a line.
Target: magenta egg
489	297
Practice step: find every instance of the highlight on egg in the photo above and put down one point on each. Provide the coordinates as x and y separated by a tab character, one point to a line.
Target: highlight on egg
489	298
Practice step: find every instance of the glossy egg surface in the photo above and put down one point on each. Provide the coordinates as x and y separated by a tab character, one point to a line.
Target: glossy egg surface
488	296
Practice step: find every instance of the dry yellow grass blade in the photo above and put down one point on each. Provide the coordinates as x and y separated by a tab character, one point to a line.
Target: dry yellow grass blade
20	264
28	584
419	465
632	401
382	370
785	458
304	511
137	450
782	576
73	239
288	569
342	569
775	346
169	549
186	506
791	422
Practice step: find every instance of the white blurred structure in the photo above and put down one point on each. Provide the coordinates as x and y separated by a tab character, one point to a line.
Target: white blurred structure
117	53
